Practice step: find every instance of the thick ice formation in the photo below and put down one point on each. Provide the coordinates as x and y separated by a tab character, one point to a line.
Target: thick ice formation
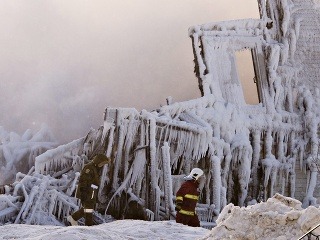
18	153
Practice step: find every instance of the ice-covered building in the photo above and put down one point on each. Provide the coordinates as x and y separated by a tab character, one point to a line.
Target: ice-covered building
248	152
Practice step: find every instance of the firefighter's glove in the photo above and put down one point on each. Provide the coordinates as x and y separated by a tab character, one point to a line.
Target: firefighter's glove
94	188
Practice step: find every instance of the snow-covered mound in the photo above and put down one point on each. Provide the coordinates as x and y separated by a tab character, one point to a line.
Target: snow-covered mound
278	218
117	230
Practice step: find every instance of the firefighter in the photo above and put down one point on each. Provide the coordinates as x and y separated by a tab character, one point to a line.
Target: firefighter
87	190
186	199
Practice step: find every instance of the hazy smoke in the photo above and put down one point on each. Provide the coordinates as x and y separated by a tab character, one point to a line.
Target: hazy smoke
62	62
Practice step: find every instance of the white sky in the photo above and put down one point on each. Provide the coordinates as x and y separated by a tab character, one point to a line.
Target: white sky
62	62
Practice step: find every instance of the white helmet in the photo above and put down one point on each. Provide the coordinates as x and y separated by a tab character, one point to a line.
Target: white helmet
195	174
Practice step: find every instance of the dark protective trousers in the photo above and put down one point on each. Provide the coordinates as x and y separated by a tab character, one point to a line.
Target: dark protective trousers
191	221
83	212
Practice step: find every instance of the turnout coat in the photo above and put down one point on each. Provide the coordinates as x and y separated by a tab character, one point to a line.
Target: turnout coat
89	181
186	200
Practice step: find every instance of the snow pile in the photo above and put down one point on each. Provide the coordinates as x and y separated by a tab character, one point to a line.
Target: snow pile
278	218
117	230
18	153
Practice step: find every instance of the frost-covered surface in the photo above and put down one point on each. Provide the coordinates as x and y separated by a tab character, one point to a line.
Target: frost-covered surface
283	129
117	230
278	218
18	153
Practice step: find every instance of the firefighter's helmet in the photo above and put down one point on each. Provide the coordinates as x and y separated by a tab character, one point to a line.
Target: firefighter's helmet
100	160
195	173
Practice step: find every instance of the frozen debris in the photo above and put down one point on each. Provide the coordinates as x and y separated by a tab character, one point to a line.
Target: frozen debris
278	218
17	154
37	199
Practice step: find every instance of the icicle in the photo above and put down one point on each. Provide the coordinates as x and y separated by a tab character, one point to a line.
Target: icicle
255	161
270	168
150	215
55	157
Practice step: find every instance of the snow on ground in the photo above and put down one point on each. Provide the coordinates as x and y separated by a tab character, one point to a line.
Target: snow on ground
116	230
280	218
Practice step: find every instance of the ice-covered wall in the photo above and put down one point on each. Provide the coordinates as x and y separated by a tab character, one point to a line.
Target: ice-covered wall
284	126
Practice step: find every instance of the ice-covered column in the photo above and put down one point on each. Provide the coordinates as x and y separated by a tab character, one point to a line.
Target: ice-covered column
215	168
167	179
154	202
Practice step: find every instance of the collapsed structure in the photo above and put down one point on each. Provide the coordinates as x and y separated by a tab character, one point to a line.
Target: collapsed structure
248	152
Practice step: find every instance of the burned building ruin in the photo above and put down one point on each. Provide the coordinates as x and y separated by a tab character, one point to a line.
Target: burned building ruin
248	152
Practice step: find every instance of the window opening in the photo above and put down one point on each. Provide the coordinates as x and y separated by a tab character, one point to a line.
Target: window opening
247	76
